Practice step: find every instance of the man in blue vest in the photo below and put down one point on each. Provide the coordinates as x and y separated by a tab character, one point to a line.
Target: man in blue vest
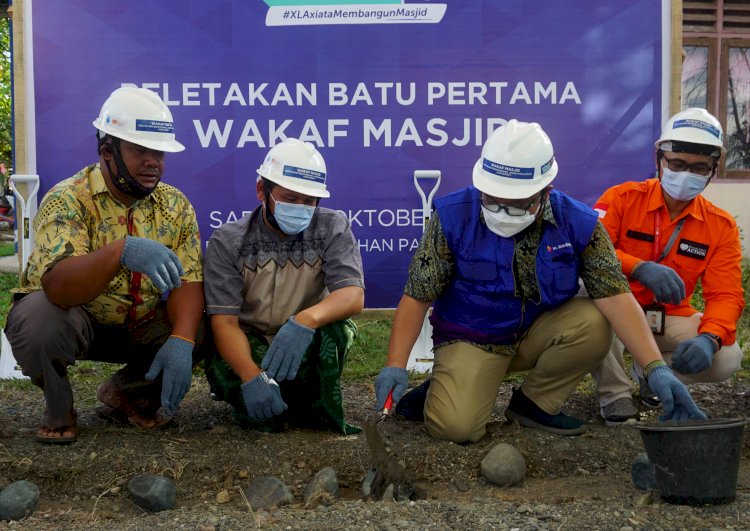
500	263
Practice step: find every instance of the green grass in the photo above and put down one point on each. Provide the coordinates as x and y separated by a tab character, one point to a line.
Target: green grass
367	356
7	282
7	249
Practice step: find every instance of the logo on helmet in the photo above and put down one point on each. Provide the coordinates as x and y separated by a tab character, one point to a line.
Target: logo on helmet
698	124
156	126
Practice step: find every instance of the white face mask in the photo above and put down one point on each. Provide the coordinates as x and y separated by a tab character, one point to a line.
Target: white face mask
504	225
682	185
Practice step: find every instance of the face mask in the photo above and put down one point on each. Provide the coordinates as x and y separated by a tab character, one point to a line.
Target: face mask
504	225
682	185
292	218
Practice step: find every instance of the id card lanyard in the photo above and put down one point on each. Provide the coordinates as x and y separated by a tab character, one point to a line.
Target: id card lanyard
657	238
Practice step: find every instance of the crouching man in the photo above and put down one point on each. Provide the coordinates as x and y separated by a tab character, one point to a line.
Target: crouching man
281	285
500	261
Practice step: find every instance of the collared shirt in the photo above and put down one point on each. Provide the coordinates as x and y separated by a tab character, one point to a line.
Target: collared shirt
432	265
80	215
263	277
707	248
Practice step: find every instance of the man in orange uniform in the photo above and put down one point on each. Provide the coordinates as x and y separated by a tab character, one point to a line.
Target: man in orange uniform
668	237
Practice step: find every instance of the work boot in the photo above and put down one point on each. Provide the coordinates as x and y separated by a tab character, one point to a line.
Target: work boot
524	411
621	411
648	398
411	405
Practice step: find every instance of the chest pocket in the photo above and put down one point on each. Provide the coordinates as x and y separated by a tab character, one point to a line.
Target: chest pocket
562	267
638	244
478	270
694	265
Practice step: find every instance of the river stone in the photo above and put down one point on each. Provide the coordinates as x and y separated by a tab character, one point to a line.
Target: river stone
152	492
323	487
18	500
642	473
504	465
267	492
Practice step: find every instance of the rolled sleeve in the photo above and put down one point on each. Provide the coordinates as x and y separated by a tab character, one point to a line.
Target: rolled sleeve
342	264
61	232
601	270
223	282
431	266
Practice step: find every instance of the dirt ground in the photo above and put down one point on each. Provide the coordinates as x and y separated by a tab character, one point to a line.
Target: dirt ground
572	482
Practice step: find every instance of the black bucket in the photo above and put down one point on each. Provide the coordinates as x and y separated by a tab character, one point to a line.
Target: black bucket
695	461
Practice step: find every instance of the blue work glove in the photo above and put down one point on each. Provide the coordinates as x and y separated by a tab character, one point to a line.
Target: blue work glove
389	378
175	358
262	398
694	355
675	398
284	356
662	280
155	260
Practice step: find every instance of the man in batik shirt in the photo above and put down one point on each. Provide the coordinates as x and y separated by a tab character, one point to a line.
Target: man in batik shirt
115	275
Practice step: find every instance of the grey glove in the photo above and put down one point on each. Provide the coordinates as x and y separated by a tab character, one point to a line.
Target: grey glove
285	354
694	355
155	260
675	398
262	398
389	378
662	280
175	358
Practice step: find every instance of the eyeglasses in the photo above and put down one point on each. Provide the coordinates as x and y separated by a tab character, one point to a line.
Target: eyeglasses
699	168
513	208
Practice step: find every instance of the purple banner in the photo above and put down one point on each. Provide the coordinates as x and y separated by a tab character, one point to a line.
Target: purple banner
383	89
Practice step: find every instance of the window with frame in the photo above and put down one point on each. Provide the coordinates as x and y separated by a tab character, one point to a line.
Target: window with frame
716	73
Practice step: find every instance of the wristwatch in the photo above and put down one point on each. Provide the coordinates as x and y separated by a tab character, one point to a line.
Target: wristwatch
716	338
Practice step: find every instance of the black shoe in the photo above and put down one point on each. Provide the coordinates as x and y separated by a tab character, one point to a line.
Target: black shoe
411	405
648	398
620	412
527	413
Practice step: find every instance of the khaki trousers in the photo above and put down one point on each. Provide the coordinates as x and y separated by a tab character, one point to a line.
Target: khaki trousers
559	349
612	382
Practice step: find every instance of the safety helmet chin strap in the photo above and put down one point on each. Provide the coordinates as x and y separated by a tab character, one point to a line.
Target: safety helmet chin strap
123	181
267	185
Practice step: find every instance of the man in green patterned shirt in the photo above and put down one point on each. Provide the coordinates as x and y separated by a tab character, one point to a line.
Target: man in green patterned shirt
111	242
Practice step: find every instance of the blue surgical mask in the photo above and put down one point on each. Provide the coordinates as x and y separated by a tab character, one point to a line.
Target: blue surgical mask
682	185
292	218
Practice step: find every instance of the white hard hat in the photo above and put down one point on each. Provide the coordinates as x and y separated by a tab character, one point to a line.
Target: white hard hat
298	166
139	116
517	161
695	126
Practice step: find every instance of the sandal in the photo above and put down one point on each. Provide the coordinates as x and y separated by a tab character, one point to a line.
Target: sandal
47	435
120	408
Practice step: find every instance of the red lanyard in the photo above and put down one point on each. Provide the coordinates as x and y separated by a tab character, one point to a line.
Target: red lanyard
657	235
135	281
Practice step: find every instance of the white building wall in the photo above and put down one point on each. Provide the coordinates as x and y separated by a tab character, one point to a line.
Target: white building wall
733	197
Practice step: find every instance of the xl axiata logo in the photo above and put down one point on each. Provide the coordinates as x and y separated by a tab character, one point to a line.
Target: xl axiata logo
320	12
